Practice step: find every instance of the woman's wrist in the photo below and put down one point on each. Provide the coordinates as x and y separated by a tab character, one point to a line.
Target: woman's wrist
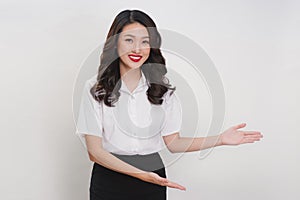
142	175
220	142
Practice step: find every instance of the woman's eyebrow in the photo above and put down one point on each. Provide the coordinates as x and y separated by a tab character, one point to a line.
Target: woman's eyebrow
134	36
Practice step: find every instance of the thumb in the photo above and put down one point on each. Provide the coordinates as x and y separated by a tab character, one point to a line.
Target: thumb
242	125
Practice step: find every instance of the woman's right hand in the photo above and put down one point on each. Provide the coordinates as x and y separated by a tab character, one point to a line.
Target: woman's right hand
152	177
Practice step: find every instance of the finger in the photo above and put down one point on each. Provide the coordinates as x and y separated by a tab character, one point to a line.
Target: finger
253	139
175	185
252	133
250	140
242	125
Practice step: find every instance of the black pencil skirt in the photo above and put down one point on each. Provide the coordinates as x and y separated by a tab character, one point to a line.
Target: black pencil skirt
107	184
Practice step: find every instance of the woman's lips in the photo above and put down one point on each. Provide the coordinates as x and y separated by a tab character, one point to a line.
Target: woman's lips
134	57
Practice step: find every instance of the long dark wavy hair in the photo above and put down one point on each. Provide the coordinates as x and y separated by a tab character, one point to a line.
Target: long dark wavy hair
108	79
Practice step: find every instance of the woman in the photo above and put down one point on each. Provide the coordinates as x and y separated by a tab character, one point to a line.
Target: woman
129	112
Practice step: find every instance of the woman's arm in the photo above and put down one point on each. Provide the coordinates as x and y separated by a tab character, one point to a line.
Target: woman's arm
102	157
177	144
231	136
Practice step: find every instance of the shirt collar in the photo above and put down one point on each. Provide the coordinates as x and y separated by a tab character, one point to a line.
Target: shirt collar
142	85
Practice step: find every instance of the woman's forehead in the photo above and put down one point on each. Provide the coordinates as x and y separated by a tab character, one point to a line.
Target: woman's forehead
135	30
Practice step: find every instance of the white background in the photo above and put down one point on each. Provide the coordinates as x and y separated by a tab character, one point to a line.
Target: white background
254	45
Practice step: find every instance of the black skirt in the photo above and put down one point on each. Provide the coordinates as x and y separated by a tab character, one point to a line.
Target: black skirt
107	184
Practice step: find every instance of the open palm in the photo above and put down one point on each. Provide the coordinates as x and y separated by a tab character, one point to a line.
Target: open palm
233	136
156	179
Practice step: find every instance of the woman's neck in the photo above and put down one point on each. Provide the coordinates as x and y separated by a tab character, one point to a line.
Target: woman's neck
131	77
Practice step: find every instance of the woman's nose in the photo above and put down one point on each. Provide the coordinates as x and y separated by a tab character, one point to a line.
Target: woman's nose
136	48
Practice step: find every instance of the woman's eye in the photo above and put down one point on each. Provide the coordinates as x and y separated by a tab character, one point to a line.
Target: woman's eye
129	40
145	42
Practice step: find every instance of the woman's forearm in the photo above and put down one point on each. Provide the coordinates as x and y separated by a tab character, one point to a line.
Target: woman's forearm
188	144
108	160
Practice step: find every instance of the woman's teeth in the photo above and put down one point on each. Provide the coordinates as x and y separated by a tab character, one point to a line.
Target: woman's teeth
135	58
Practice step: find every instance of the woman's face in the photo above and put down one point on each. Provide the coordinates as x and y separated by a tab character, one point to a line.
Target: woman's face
133	46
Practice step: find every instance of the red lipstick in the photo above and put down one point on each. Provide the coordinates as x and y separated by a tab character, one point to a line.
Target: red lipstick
135	57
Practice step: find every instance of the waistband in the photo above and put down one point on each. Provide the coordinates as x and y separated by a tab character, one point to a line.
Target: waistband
148	162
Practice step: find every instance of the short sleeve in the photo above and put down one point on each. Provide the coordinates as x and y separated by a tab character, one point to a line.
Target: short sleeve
173	114
89	119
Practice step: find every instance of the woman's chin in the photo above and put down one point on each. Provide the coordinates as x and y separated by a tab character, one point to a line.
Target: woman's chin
131	65
134	66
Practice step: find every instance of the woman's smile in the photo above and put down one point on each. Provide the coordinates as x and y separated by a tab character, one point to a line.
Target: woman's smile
135	57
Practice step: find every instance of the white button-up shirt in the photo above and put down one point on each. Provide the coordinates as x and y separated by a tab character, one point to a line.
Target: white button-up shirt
134	125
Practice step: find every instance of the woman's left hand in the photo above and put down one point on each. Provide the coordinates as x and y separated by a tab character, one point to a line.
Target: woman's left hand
233	136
